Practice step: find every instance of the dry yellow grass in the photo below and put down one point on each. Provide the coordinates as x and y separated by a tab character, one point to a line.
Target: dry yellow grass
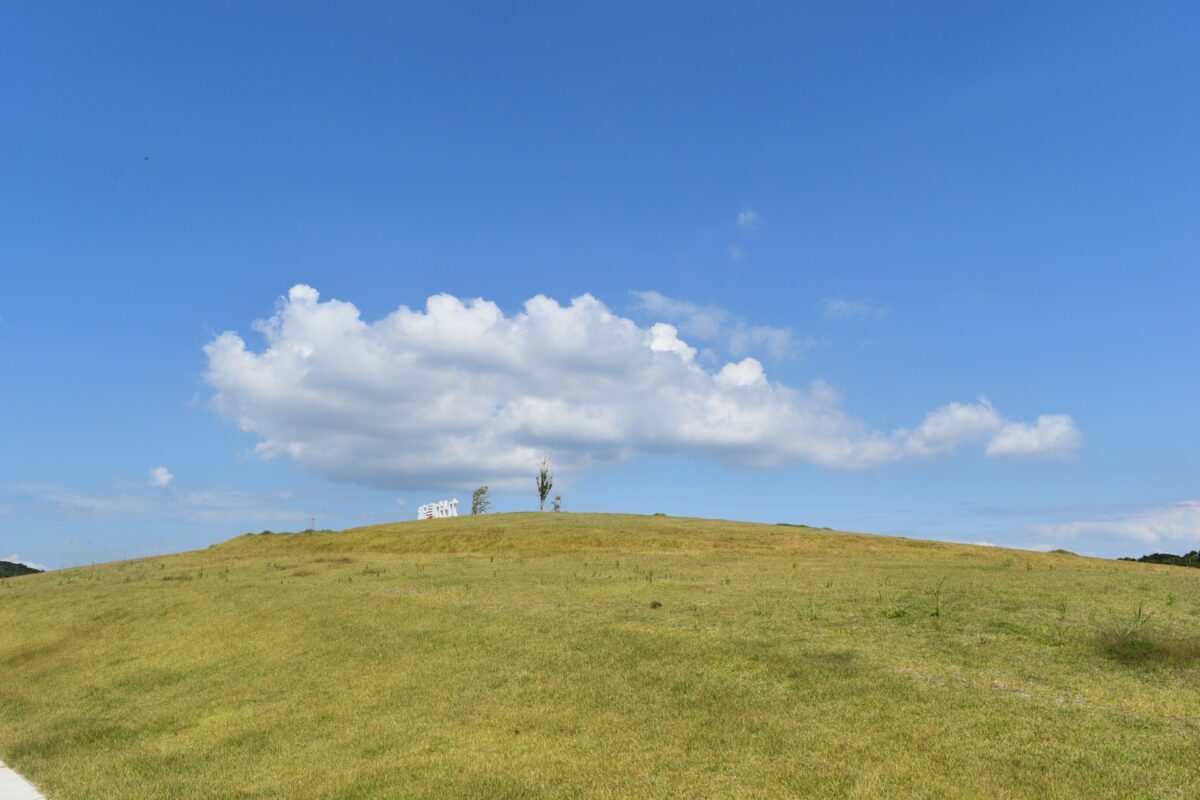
606	656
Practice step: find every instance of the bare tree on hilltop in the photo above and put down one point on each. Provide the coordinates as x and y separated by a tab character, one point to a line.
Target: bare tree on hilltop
545	482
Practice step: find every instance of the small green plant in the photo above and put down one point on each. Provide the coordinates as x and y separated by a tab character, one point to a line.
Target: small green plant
1058	634
1134	640
936	592
1133	626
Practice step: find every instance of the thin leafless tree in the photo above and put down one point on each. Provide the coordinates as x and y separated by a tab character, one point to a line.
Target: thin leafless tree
545	482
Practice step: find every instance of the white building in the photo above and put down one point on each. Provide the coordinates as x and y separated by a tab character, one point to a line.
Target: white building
442	508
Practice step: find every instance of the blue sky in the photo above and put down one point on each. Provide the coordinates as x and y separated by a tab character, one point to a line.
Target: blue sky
914	205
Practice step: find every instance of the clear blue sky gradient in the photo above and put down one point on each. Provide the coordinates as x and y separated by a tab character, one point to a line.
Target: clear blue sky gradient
1015	189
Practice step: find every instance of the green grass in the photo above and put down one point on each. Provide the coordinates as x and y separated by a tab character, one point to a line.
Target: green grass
523	656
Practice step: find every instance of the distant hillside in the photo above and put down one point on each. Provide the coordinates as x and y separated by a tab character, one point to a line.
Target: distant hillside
542	656
9	569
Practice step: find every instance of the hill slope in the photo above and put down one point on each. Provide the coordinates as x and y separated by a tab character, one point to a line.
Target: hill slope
565	655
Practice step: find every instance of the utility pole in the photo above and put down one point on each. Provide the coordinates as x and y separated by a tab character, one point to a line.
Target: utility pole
312	523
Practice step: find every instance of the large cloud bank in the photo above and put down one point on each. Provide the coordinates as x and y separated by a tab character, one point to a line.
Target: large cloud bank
460	393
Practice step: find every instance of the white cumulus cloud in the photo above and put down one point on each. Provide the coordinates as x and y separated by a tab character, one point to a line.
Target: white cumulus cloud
1052	435
953	424
664	338
460	393
160	477
944	429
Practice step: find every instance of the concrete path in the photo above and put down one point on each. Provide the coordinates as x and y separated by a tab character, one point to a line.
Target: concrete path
14	787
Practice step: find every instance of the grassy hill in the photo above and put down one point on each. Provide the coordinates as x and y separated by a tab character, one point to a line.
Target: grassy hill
606	656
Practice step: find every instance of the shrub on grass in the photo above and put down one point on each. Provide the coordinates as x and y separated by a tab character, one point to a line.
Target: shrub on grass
1135	640
936	593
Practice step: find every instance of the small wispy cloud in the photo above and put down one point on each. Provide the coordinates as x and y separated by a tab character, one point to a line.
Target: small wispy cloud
1178	523
749	220
779	343
713	324
736	254
840	308
694	319
160	477
199	505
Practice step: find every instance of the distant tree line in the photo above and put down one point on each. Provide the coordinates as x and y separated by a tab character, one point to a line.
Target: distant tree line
8	569
1191	559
